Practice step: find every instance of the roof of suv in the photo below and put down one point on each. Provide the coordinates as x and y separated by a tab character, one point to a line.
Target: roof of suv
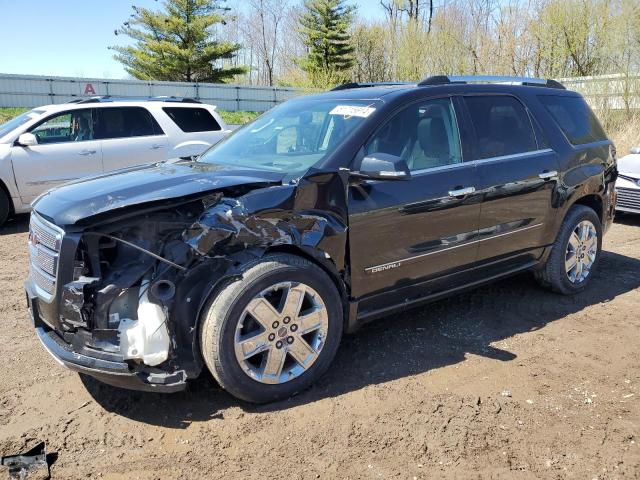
375	91
101	102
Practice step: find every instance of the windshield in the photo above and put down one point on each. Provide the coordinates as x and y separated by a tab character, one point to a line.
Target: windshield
293	136
15	122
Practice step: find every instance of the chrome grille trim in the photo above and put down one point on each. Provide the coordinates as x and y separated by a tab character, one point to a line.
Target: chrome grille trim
628	198
45	240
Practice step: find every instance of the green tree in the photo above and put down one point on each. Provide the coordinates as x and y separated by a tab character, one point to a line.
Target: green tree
325	26
177	43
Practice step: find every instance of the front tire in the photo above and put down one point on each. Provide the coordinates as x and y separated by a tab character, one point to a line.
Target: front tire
5	206
273	331
575	254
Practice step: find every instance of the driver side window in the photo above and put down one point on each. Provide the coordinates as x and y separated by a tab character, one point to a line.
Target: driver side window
75	126
424	134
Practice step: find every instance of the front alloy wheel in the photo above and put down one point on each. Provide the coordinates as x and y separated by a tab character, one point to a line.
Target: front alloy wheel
274	330
281	332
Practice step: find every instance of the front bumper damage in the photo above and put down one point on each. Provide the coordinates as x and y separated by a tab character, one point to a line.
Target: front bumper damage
163	266
74	354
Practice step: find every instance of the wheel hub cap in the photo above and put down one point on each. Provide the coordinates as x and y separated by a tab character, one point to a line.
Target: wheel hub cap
581	252
281	332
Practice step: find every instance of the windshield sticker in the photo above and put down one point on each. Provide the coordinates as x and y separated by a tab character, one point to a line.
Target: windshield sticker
352	111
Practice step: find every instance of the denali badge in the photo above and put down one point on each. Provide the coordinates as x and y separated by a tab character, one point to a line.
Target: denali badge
381	268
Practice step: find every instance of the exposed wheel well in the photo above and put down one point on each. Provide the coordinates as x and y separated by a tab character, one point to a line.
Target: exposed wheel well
594	202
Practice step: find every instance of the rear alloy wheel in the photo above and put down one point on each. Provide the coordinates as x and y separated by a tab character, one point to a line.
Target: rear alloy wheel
274	330
582	250
574	254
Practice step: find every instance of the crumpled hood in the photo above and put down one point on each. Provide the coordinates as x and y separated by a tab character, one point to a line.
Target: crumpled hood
630	165
74	201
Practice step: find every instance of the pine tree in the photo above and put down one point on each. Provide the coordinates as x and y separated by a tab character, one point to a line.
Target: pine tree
177	43
325	28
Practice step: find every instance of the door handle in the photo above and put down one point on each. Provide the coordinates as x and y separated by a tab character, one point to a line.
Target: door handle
84	153
156	146
461	192
546	175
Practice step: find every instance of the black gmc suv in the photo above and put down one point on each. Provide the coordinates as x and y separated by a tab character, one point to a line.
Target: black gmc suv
325	212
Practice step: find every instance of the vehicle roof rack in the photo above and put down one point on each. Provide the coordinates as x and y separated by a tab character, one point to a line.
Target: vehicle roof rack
530	81
109	98
346	86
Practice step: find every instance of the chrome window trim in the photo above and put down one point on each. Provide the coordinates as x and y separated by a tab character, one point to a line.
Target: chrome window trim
398	263
483	160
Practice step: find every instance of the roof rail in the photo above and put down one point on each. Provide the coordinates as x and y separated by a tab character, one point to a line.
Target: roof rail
109	98
346	86
443	79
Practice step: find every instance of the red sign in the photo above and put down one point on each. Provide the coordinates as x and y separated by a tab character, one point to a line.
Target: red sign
89	90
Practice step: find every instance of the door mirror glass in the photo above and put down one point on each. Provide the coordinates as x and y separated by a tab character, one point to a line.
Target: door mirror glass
635	150
383	166
27	140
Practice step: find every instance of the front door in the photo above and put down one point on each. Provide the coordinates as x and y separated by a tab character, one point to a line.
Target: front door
403	232
66	150
517	176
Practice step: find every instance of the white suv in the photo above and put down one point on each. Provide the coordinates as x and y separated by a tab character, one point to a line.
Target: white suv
54	144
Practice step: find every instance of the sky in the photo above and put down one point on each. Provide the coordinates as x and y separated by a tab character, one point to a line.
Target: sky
71	37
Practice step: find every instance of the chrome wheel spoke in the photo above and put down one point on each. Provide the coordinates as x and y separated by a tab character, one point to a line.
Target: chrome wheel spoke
293	301
273	365
302	352
310	322
253	345
263	311
570	263
574	242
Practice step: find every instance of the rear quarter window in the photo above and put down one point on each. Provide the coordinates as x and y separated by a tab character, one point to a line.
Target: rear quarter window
575	118
192	119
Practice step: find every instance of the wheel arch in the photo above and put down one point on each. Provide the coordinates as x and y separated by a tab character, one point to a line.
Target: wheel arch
6	191
593	201
314	256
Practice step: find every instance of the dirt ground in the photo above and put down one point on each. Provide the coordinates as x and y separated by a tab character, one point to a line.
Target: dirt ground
508	381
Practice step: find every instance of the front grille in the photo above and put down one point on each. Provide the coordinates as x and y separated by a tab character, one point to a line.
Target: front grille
44	248
628	198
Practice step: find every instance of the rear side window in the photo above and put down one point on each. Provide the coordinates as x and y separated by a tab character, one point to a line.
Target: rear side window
575	118
192	119
125	122
502	126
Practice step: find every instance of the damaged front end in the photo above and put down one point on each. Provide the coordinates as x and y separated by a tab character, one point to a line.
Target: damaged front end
124	301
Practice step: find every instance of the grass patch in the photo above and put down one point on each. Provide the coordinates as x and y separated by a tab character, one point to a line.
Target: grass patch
7	114
237	118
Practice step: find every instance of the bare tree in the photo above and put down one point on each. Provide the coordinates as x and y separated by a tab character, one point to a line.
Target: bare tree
263	31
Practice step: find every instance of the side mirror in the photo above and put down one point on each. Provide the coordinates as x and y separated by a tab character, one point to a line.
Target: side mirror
635	150
27	140
383	166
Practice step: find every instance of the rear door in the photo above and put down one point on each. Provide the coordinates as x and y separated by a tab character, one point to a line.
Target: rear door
403	232
66	150
196	130
130	136
517	175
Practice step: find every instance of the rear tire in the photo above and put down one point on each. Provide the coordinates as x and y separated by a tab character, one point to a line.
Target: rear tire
575	254
5	206
275	330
